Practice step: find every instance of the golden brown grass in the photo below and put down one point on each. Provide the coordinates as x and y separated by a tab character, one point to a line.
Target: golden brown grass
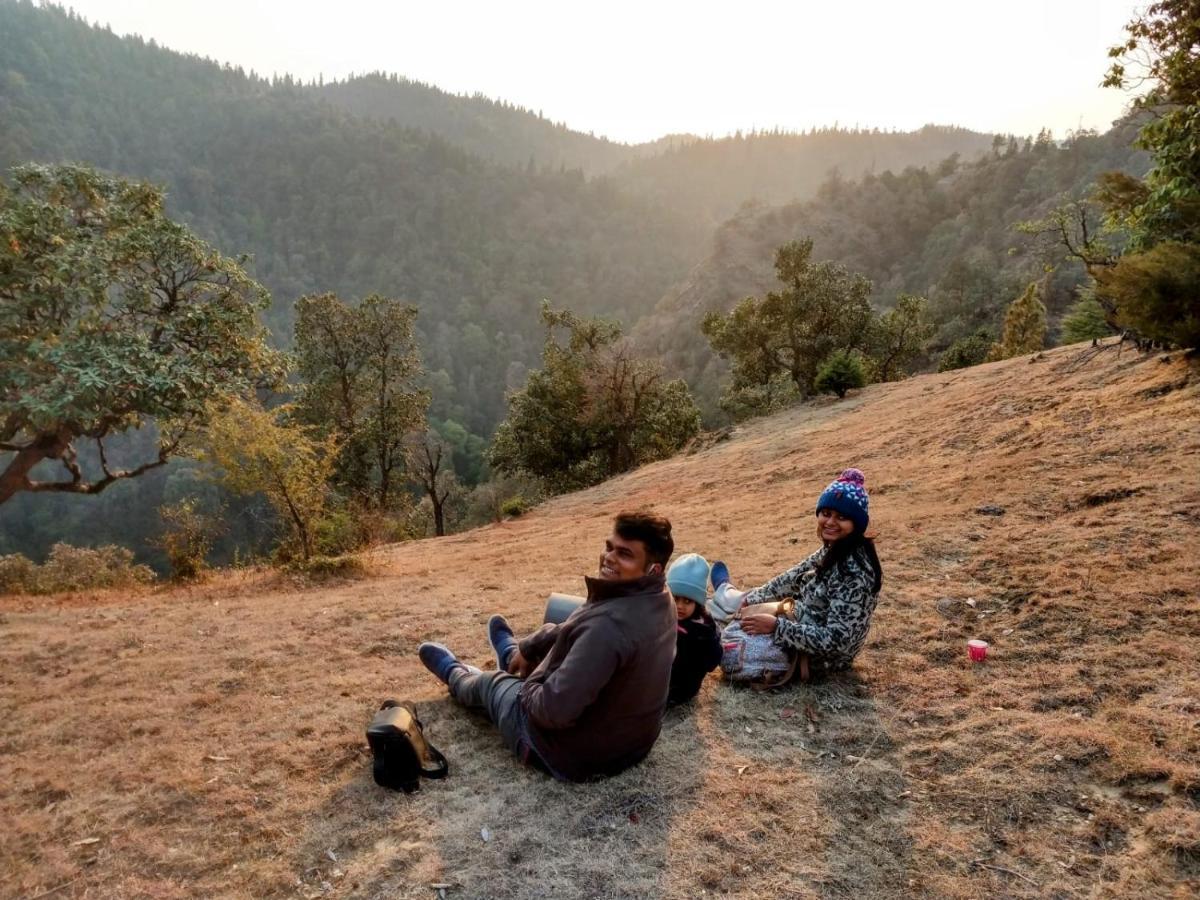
208	741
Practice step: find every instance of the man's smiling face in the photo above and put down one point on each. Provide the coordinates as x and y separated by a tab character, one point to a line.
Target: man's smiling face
622	559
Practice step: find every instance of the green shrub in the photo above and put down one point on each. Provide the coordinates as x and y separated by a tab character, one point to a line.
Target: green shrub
187	537
841	371
514	506
73	569
329	566
965	352
750	400
1155	293
18	574
1085	321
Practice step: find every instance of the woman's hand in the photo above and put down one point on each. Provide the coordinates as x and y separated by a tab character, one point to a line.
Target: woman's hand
760	624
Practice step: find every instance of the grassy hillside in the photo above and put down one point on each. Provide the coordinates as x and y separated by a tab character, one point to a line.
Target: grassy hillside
209	741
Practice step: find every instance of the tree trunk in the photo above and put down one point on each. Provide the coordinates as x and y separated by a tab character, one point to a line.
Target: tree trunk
16	476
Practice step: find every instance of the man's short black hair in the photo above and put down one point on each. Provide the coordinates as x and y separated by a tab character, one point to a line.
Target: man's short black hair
652	530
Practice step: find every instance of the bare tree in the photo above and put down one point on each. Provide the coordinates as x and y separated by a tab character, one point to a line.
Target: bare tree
430	467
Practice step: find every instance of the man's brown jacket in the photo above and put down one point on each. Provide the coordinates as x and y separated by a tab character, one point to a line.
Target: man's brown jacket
595	701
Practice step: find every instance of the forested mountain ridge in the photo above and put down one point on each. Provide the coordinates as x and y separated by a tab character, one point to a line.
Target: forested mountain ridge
323	200
706	178
945	233
490	129
710	180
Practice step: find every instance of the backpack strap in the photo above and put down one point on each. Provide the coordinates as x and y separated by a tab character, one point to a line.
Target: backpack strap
433	762
769	683
440	768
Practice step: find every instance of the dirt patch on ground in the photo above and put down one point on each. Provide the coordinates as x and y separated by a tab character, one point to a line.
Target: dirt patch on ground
209	741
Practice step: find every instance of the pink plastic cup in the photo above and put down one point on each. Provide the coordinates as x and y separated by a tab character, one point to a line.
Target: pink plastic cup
977	649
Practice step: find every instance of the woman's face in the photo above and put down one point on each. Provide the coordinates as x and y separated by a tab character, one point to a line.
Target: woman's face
832	525
684	608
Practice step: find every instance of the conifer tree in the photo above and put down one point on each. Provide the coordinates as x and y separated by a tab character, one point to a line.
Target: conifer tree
1086	320
1024	326
839	373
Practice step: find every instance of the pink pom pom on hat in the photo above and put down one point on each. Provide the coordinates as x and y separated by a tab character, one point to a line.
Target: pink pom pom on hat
847	494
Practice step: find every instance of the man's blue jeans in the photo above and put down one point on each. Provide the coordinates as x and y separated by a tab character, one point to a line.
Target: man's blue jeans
497	695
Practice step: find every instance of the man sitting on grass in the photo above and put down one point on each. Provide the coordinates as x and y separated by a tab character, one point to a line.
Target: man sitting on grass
585	697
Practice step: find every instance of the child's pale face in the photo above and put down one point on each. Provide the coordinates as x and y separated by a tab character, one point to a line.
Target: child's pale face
685	608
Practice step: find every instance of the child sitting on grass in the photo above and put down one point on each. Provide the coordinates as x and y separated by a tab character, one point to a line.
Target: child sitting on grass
697	644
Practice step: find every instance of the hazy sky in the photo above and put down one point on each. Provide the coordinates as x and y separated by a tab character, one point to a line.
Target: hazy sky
634	71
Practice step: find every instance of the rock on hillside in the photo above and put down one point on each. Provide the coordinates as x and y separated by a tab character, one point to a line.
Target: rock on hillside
209	741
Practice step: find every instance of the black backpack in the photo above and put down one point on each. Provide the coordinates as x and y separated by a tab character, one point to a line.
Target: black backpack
402	755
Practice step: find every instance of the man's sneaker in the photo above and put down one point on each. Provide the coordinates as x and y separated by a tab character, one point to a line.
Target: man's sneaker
439	660
719	574
500	636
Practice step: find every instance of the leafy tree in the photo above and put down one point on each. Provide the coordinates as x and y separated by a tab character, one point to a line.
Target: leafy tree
1162	51
1072	230
1086	320
1153	289
821	308
1024	327
899	338
751	400
359	366
840	372
111	315
968	351
593	410
1156	293
431	467
259	451
468	451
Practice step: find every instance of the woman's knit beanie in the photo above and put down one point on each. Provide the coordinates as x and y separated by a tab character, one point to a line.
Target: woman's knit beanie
848	495
687	577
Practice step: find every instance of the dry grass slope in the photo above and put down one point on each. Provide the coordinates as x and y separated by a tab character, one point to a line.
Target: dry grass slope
208	741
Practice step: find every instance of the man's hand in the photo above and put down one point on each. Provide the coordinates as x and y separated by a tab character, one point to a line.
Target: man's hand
518	665
763	623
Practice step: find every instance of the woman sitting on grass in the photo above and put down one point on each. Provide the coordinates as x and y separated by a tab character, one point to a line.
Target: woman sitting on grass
835	590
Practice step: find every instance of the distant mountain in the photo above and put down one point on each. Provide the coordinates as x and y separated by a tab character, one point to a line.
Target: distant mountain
706	179
490	129
944	232
709	180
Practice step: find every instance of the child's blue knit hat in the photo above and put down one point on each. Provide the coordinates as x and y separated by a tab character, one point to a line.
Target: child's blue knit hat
848	495
687	577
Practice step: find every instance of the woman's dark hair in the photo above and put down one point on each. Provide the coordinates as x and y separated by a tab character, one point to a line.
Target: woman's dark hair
840	551
652	530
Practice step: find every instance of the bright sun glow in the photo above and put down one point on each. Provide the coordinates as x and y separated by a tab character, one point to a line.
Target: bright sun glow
634	71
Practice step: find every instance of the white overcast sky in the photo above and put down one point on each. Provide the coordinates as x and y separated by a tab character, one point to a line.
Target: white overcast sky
634	71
